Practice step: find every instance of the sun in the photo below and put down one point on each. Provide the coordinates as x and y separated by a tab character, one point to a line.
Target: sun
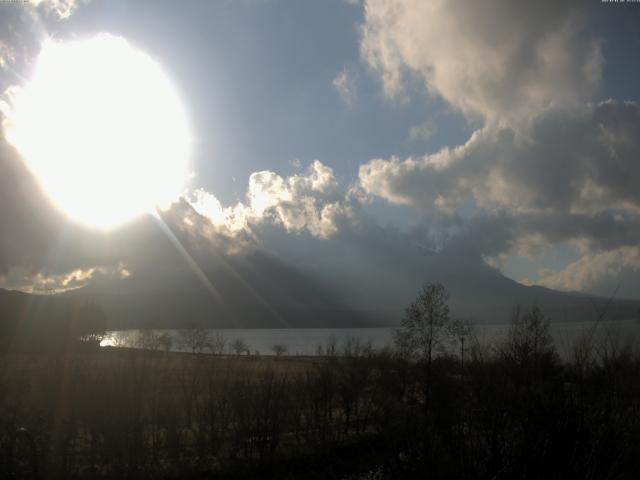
102	130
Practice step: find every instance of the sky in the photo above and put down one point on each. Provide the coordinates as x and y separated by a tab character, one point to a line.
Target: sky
502	132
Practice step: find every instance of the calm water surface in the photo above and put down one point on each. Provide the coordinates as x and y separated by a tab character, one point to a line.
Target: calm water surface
305	341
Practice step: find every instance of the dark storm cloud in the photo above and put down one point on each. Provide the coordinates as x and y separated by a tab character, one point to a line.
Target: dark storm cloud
584	159
496	233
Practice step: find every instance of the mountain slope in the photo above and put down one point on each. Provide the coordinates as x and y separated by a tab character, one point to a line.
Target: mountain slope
343	285
382	273
257	291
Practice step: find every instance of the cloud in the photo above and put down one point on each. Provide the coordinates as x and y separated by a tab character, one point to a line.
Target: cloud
40	249
20	36
232	219
569	161
498	59
47	283
24	26
7	55
544	166
312	201
60	9
547	164
521	66
435	181
202	228
588	272
423	131
345	85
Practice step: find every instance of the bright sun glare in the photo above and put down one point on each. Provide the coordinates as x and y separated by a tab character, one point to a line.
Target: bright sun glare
102	130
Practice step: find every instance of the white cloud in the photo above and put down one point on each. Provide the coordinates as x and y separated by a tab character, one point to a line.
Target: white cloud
61	9
40	282
231	218
588	272
312	201
24	25
345	85
423	131
7	55
435	181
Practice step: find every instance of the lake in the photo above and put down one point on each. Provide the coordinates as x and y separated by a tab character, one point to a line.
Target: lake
299	341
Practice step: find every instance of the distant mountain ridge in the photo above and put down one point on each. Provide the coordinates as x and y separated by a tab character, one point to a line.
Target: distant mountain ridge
262	291
42	321
258	291
381	273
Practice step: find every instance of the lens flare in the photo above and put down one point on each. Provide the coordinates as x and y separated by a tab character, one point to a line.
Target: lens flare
102	130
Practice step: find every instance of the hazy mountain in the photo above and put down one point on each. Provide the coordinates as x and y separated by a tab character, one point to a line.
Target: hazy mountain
343	285
256	291
381	274
42	321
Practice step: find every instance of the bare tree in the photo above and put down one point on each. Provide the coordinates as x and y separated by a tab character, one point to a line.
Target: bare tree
529	338
195	340
279	350
425	326
460	332
218	343
239	346
425	329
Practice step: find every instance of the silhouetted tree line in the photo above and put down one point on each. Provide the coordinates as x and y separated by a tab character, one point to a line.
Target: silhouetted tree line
437	405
